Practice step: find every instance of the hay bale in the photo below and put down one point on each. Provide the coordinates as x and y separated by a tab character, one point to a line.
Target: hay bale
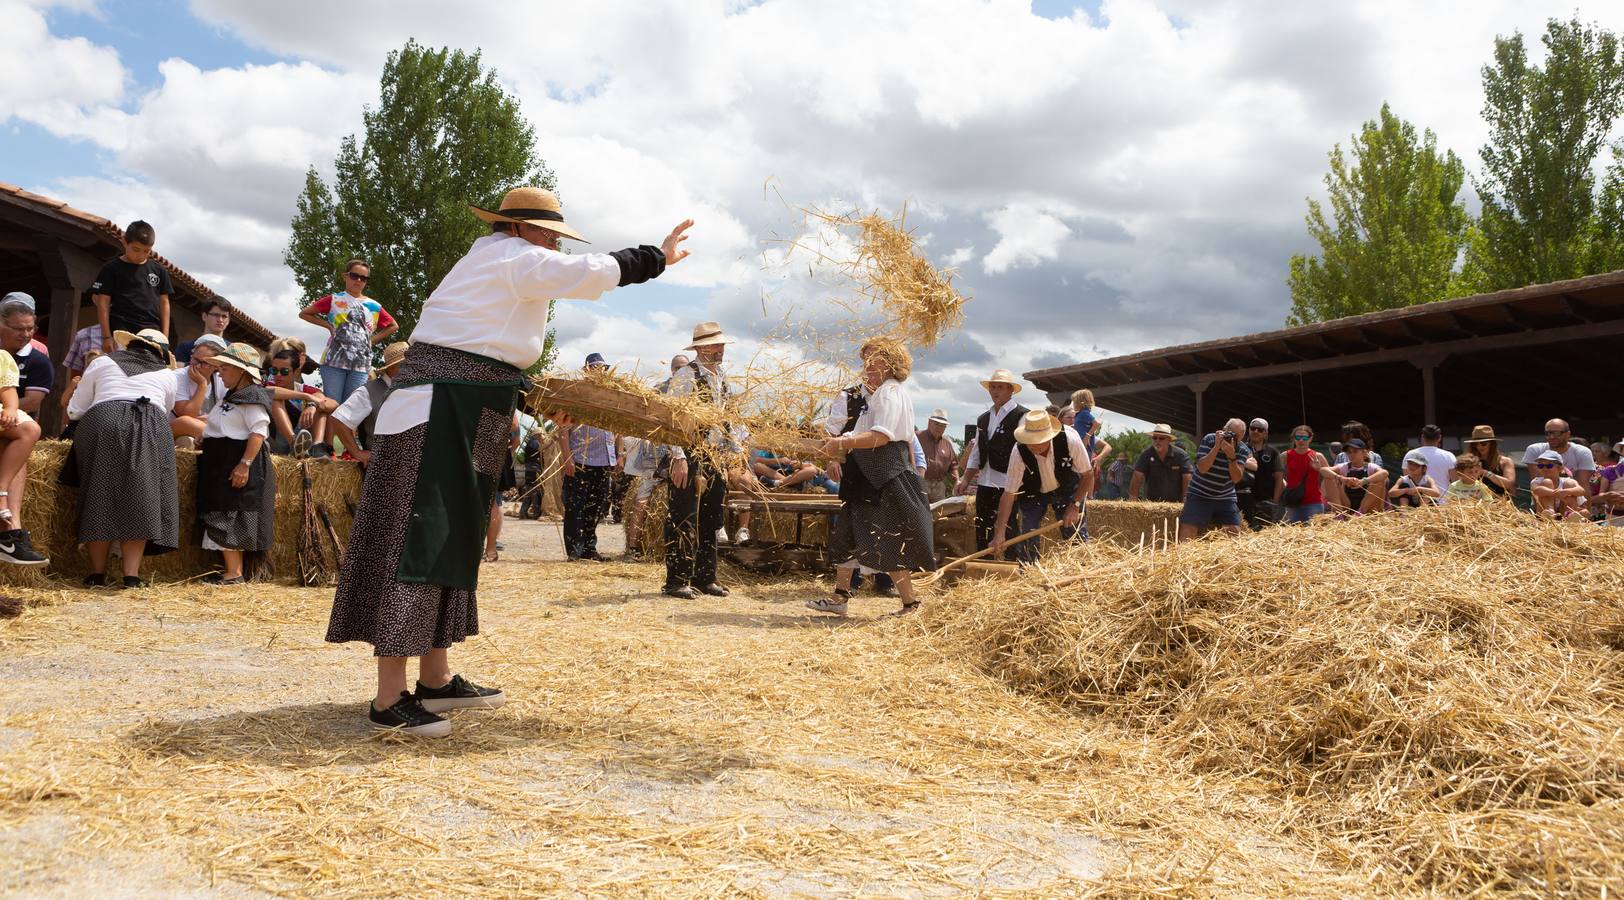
50	513
1438	688
1127	522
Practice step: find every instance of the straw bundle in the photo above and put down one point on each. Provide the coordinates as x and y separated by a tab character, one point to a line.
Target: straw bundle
625	406
50	513
918	300
1440	690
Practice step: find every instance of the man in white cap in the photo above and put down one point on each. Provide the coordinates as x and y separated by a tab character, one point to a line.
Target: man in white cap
407	584
989	458
698	485
941	457
1049	470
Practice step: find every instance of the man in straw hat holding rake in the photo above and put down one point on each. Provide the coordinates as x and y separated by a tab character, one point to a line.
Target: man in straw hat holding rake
989	458
1049	470
407	585
698	485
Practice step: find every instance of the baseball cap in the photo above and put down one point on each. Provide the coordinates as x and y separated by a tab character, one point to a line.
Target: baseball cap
1417	457
1354	444
211	340
596	359
20	297
1550	456
1260	423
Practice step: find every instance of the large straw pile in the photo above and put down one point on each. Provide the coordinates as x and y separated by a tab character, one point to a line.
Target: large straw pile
50	514
1441	690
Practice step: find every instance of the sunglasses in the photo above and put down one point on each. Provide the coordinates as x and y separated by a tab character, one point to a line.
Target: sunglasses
1300	437
357	276
1545	465
1161	438
277	371
1555	433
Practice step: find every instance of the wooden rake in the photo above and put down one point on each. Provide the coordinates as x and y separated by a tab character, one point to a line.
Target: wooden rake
936	576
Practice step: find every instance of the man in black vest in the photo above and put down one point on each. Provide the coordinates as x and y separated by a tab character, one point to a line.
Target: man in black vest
698	485
989	457
354	418
1049	470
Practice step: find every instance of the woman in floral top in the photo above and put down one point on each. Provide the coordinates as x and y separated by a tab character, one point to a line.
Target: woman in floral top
356	322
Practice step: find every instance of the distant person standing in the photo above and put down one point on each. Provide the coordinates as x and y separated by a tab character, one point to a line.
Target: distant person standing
216	318
1163	470
1258	494
988	458
354	323
941	458
132	292
589	470
1440	462
1118	477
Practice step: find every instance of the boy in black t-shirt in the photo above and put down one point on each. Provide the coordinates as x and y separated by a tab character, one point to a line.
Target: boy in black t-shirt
132	292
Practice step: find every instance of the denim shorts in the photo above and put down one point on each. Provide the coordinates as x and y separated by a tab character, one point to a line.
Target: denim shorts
1199	512
1297	515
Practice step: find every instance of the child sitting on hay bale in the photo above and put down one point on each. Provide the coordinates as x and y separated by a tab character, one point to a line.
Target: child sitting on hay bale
236	486
1556	496
18	433
1415	487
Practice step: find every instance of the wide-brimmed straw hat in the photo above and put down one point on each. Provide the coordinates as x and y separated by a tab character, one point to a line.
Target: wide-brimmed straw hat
152	337
939	415
533	205
394	353
240	356
1037	427
706	334
1160	428
1003	376
1481	434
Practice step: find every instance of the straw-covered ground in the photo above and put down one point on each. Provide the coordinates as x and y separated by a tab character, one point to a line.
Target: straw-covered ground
1404	706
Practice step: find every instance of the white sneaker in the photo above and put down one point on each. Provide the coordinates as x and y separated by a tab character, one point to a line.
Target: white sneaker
828	605
721	535
743	536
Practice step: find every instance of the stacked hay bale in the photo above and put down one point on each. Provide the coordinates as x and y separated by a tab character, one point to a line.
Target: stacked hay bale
50	512
1440	689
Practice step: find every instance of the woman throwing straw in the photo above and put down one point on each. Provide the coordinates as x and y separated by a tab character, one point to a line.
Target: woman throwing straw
884	522
408	581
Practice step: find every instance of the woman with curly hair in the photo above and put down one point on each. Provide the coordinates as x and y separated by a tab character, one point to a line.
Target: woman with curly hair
884	523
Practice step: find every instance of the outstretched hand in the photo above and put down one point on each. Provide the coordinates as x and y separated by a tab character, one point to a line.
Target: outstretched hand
677	236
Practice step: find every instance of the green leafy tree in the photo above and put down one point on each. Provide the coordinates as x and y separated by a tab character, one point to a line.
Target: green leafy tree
444	135
1547	126
1395	230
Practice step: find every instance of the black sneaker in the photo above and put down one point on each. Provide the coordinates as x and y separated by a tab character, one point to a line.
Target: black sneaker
133	581
321	450
458	693
96	579
17	548
408	716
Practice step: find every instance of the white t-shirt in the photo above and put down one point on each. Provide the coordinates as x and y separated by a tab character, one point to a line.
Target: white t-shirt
1575	457
186	389
1440	466
104	380
355	409
238	421
1048	481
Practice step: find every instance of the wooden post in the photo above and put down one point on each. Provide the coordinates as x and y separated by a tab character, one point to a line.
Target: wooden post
1200	390
70	271
1428	365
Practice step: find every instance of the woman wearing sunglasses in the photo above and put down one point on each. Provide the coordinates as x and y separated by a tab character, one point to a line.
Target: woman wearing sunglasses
1301	496
354	323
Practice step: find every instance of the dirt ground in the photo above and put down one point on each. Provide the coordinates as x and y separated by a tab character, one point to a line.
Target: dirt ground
183	741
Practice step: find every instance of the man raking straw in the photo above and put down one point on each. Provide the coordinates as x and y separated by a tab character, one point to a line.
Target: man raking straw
407	586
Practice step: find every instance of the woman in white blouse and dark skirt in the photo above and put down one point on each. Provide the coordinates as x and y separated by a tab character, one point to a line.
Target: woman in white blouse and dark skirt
123	457
236	486
884	522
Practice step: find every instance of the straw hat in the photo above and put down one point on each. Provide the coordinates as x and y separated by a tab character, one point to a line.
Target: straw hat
152	337
1003	376
1161	428
532	205
394	353
1481	434
240	356
939	415
706	334
1037	427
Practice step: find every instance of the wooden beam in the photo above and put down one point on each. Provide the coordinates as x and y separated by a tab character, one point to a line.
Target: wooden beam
1549	336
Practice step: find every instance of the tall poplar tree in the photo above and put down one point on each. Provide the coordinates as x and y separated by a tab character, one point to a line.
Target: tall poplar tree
1395	230
444	134
1547	126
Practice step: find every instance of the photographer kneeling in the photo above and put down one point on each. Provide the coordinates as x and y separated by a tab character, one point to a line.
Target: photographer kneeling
1222	461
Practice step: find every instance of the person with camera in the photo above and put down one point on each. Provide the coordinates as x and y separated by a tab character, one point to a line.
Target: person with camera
1222	461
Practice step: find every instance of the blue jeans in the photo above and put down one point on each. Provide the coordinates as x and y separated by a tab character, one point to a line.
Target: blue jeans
1298	515
1031	510
339	384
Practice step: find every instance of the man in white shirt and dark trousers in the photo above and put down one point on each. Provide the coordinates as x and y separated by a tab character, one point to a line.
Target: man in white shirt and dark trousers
407	584
1049	470
1440	462
698	485
989	456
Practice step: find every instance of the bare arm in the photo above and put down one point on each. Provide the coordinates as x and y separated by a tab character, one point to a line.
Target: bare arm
1137	482
103	304
31	401
163	314
315	318
384	334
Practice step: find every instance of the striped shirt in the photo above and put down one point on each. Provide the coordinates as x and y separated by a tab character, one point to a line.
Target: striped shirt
1215	483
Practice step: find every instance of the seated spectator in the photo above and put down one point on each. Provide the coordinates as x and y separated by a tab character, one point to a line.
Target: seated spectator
236	483
298	403
123	456
35	378
1609	499
67	393
1575	456
18	434
1360	485
197	388
1469	483
1415	488
1557	495
1351	430
1499	471
781	471
354	419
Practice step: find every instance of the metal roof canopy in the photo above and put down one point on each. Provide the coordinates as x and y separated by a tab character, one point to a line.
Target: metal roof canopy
1512	359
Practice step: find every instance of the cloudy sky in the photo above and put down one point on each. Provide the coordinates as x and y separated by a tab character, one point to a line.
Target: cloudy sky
1107	177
